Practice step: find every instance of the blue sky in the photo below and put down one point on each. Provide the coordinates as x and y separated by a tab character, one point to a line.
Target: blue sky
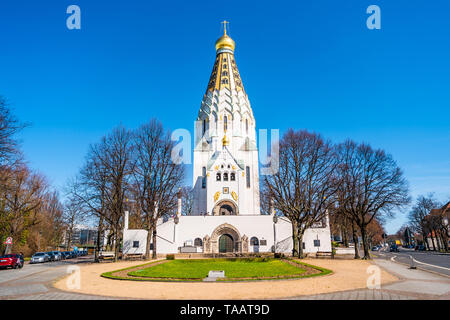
304	64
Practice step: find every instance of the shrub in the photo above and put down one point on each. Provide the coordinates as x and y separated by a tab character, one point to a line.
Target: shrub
170	257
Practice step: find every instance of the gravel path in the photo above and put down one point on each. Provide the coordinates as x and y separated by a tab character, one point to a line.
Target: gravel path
347	275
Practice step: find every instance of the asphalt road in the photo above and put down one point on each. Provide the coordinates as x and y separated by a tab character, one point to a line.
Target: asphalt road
34	281
427	260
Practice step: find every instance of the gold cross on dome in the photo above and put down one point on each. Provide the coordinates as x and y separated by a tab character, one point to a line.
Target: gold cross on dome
225	22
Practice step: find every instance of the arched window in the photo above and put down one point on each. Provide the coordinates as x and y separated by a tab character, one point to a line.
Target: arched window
224	81
247	173
232	176
225	176
225	123
198	242
204	178
254	241
218	177
225	73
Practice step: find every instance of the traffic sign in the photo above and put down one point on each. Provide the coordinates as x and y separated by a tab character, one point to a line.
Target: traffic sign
9	240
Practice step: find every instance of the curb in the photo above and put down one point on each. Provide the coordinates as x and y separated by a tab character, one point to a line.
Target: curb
422	269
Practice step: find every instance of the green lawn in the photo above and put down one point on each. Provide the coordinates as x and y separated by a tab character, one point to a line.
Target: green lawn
234	268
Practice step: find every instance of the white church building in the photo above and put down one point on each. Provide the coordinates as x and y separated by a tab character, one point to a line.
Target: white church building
226	215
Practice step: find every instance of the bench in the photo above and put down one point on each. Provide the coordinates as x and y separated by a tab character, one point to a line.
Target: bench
104	255
134	256
324	254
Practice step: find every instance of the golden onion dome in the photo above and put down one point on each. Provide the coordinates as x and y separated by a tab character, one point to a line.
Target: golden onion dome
225	42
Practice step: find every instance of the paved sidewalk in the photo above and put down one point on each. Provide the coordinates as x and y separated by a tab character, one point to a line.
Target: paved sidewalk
414	284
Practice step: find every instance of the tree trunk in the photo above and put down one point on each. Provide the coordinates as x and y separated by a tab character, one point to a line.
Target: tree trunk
425	240
300	244
345	238
149	241
355	242
432	242
365	242
69	241
154	243
294	240
116	245
438	240
99	239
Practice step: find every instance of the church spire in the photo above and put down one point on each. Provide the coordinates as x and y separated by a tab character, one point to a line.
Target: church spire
225	73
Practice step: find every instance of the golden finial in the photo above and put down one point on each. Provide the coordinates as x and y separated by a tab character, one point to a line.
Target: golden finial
225	141
225	22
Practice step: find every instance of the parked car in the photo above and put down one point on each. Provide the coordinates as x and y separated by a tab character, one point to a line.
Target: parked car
51	255
376	248
67	254
39	257
11	261
420	247
58	255
394	248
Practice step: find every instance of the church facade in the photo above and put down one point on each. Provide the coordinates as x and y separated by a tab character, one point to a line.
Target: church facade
226	215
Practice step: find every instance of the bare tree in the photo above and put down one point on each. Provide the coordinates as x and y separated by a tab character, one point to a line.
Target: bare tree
187	198
418	213
73	216
102	184
304	187
373	185
22	197
9	127
156	177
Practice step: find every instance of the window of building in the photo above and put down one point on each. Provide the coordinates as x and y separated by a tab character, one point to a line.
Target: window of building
225	123
135	244
316	243
203	127
247	173
204	177
225	176
198	242
303	245
224	81
263	243
246	126
254	241
225	73
218	177
232	176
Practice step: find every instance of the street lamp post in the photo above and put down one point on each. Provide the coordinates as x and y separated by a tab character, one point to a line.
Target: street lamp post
275	220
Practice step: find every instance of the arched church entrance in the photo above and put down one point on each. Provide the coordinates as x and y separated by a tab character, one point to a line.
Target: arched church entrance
226	239
226	243
225	208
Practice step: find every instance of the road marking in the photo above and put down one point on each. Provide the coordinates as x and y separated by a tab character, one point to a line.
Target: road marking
392	259
427	264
